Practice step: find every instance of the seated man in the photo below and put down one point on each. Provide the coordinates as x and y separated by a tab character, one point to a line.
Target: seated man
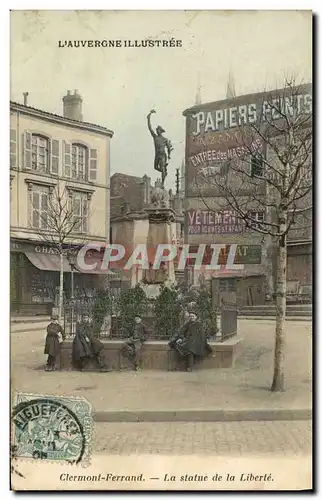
191	342
86	346
133	346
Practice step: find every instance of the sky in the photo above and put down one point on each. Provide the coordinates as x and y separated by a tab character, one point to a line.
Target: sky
120	86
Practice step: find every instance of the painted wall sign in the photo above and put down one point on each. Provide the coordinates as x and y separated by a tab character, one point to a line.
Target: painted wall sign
212	222
221	131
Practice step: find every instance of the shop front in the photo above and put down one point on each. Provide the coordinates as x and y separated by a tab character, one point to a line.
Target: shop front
34	279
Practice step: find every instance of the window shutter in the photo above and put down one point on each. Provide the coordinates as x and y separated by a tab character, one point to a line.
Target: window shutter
85	213
13	148
76	205
54	157
67	158
35	205
92	164
85	205
27	161
35	200
44	201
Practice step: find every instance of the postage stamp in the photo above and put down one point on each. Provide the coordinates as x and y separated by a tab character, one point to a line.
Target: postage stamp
52	428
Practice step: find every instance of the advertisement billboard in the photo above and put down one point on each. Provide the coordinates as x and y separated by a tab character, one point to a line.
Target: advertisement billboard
221	131
218	222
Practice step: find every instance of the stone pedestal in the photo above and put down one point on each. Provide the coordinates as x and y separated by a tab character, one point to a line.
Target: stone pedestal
161	228
156	355
155	225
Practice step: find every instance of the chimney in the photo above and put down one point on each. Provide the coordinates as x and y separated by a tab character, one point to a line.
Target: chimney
73	106
25	98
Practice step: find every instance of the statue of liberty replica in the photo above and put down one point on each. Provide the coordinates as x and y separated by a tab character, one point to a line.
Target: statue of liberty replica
163	148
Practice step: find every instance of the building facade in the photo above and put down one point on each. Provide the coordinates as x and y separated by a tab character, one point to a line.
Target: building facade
52	154
218	135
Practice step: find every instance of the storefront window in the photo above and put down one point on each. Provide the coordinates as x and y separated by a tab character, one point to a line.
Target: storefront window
227	285
14	277
42	286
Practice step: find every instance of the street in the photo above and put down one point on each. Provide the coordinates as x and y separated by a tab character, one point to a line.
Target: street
204	438
244	387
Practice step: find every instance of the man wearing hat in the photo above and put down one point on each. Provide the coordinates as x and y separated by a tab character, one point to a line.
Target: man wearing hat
86	346
162	146
132	349
55	336
191	342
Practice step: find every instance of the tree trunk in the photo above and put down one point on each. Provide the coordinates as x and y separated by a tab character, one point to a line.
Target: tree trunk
267	259
61	287
278	380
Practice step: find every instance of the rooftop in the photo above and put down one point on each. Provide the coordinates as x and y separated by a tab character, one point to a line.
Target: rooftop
120	174
39	113
241	99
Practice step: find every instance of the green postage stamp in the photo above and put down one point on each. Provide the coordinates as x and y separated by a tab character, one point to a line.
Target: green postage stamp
51	428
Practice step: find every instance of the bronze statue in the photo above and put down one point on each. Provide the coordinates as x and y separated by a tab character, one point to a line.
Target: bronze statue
163	148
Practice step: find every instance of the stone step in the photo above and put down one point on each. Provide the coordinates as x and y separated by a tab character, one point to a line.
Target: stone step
28	319
272	306
202	415
31	327
272	318
306	314
270	310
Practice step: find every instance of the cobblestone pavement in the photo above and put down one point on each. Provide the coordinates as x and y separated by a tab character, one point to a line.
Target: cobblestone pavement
233	438
245	386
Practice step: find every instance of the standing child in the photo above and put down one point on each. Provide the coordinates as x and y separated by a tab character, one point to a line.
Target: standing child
55	336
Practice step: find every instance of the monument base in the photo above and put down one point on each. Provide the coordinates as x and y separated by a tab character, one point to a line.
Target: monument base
156	355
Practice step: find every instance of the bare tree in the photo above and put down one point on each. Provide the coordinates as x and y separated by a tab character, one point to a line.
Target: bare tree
271	174
57	219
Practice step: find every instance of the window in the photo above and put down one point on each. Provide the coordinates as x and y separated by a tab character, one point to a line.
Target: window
42	285
258	217
256	166
39	197
227	285
79	162
80	204
39	153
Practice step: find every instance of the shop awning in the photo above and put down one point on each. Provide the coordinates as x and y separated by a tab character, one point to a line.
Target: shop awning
97	270
48	262
51	262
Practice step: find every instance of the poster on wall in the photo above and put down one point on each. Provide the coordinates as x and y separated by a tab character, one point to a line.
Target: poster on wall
223	131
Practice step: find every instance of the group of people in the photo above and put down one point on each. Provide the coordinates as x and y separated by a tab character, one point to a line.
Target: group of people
190	344
85	346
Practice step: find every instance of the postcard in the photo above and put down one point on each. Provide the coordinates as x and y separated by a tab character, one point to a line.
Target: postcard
161	250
